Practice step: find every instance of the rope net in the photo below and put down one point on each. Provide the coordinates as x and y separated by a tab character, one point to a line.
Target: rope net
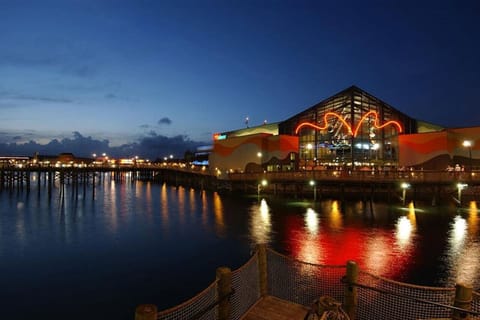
301	282
197	308
475	304
246	288
405	302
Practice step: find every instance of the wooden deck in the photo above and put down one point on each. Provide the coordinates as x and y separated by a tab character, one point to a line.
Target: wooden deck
272	308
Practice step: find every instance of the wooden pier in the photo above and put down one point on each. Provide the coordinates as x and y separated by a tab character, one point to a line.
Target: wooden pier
394	187
273	308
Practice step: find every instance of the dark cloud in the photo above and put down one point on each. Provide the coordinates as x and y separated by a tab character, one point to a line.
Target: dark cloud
152	146
165	120
39	98
144	126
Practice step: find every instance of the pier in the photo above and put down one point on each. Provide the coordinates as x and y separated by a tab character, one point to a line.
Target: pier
392	186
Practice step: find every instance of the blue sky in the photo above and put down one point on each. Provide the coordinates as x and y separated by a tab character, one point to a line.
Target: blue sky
156	77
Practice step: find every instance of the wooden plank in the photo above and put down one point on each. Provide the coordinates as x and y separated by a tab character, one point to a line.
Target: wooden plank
272	308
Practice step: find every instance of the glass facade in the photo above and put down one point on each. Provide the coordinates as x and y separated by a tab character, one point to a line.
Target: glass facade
351	128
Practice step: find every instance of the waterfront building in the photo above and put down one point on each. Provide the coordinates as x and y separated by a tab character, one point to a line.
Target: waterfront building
351	129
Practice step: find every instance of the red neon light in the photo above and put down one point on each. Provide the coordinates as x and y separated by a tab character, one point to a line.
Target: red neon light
325	116
350	129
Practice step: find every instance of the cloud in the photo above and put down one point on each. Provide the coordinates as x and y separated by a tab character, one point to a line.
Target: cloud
110	96
41	98
144	126
151	146
165	120
11	96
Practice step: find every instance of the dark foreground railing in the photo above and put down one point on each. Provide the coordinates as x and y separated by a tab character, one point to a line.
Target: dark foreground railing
362	295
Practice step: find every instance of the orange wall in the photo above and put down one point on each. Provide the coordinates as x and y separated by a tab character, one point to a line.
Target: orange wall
423	148
235	153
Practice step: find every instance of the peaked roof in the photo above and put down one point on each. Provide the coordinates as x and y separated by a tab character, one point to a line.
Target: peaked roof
350	92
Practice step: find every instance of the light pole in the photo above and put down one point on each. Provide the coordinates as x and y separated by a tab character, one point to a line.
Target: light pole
404	186
312	183
468	144
263	183
307	151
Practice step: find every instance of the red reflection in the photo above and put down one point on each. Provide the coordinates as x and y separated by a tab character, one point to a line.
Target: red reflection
378	251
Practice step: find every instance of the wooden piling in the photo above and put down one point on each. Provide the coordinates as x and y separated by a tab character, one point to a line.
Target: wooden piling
146	312
463	299
351	294
224	288
262	268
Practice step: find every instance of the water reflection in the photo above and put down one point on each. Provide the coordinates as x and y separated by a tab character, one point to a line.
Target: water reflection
218	211
124	222
309	250
405	228
335	216
181	203
331	236
164	207
463	253
260	224
473	218
311	221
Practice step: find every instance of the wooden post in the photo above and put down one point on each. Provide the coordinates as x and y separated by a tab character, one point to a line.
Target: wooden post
351	295
262	269
146	312
224	288
463	299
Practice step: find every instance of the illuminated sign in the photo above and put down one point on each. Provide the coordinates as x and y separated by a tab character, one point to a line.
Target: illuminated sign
218	136
352	131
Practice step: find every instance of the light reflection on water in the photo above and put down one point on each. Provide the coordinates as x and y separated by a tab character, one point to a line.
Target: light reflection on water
464	248
385	241
260	224
132	240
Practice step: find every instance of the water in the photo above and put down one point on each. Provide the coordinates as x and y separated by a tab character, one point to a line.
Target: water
98	253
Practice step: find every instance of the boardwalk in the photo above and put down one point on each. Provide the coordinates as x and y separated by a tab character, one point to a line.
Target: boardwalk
391	186
272	308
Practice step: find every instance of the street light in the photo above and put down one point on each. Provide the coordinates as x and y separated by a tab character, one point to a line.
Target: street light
313	184
404	186
468	144
263	183
308	147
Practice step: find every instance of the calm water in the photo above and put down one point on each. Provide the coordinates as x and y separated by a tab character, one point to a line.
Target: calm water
97	255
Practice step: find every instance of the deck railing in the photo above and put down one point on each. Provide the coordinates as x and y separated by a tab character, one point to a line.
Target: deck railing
363	296
417	176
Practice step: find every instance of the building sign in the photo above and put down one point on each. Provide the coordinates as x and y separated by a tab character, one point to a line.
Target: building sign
219	136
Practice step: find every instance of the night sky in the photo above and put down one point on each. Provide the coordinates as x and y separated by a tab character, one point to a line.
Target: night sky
152	78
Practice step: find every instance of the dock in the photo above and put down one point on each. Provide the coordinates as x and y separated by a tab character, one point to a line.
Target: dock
391	186
272	308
